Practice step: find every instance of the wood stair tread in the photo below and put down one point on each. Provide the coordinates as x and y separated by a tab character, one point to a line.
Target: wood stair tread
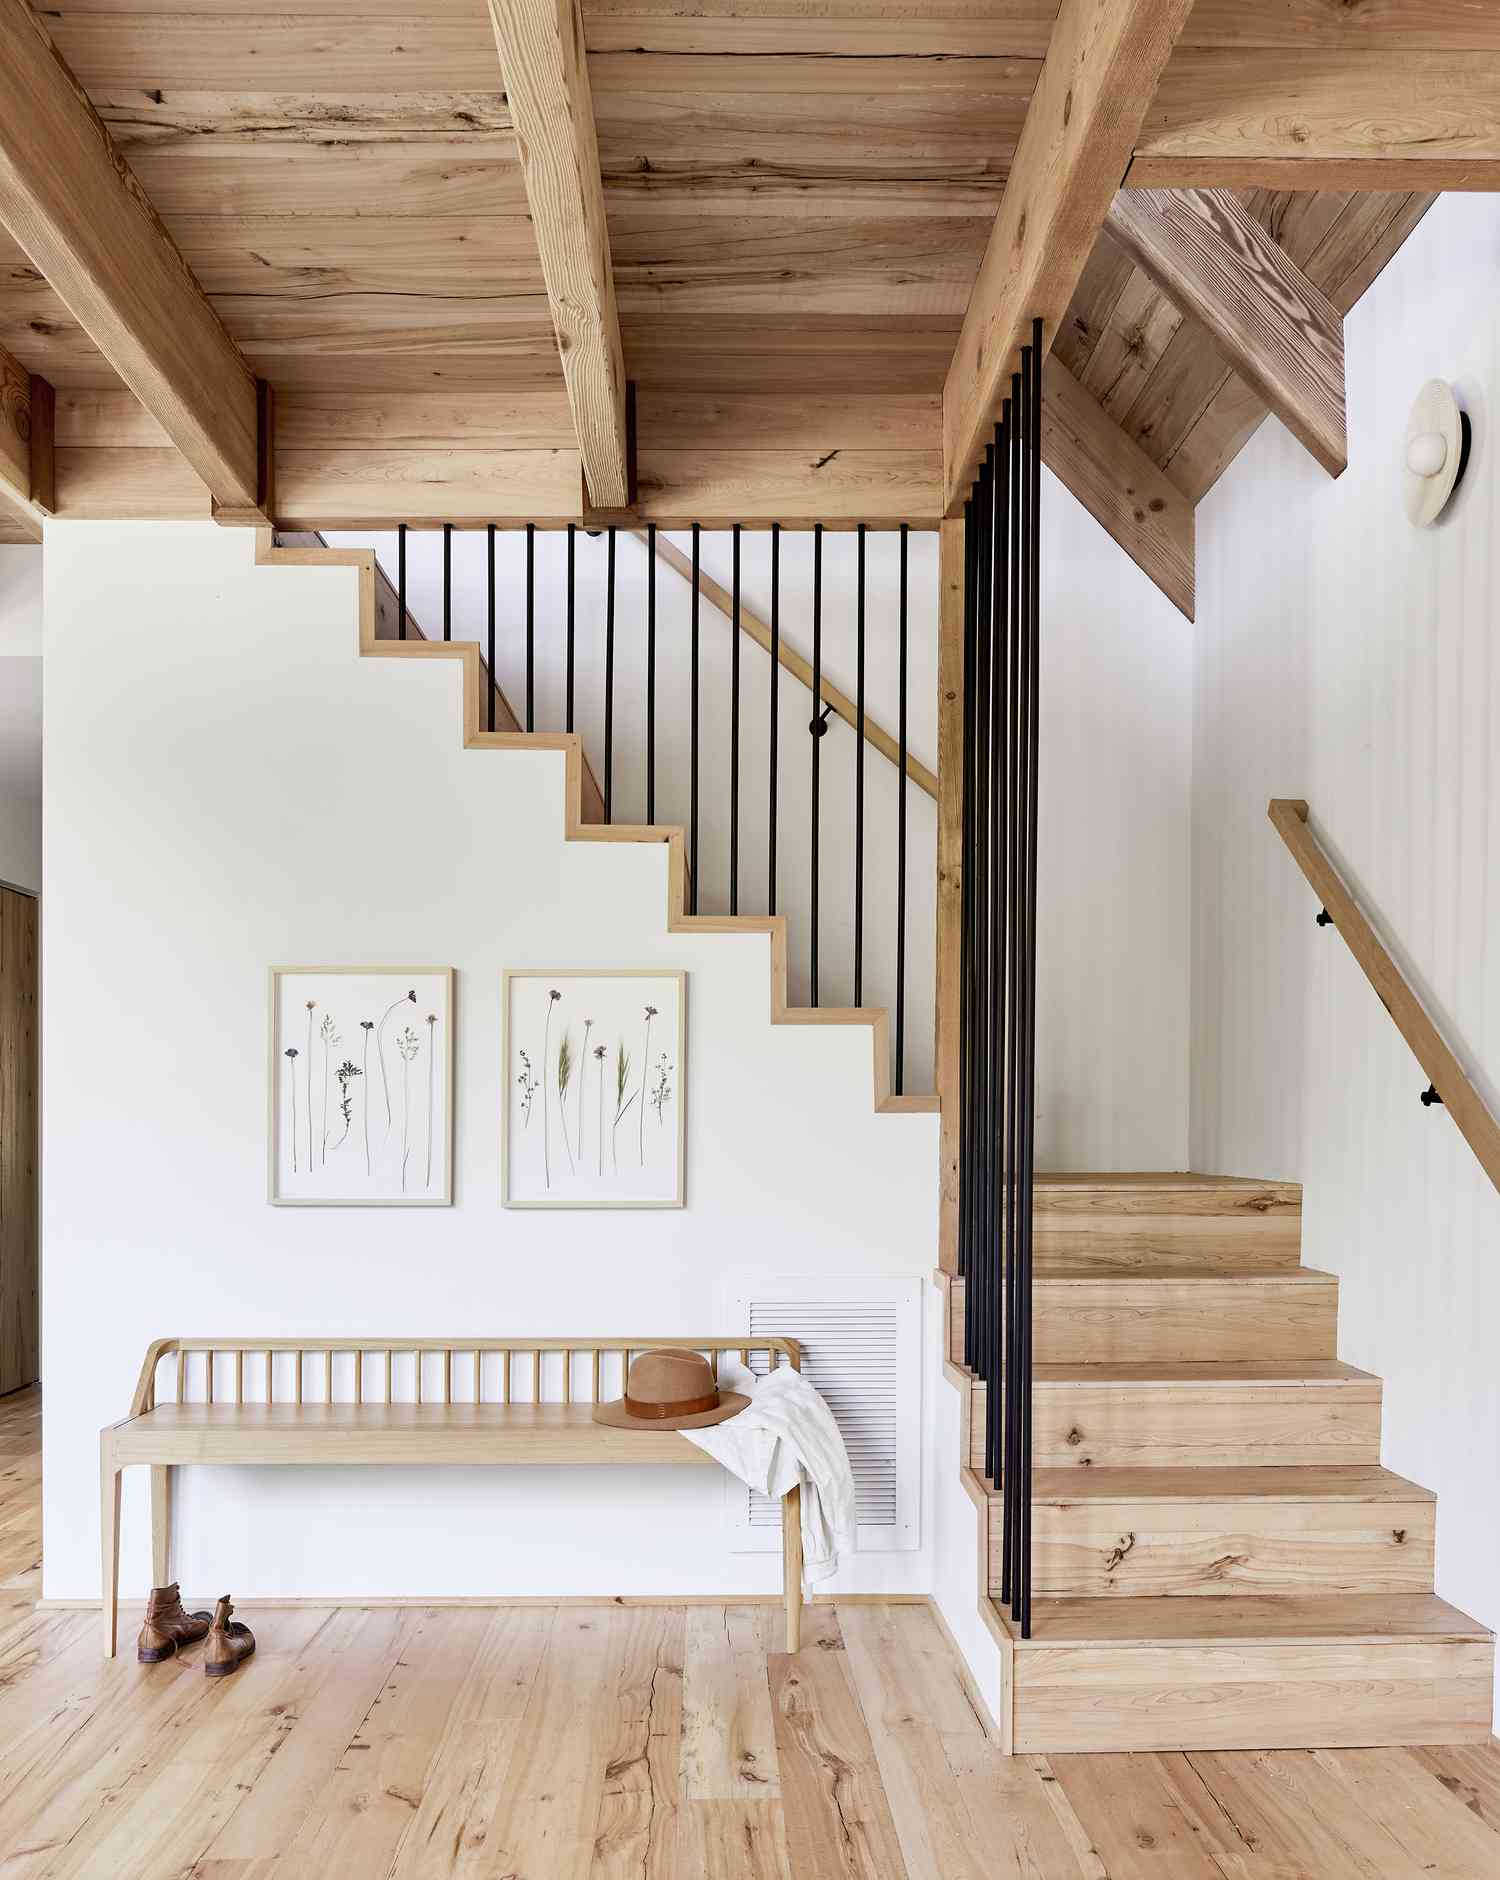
1353	1482
1241	1374
1083	1273
1245	1619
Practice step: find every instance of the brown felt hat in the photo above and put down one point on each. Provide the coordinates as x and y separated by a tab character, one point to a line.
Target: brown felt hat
670	1390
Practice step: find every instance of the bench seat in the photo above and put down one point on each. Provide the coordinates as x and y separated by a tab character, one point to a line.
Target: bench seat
445	1434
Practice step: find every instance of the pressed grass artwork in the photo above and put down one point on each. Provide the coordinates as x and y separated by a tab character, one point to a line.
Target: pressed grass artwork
614	1100
376	1131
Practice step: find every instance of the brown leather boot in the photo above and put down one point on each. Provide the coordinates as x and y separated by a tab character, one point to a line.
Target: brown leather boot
229	1645
168	1626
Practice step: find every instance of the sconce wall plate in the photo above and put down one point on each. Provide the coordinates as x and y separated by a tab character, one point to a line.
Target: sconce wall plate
1436	451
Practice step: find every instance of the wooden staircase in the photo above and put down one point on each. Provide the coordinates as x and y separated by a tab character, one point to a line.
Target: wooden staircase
1219	1560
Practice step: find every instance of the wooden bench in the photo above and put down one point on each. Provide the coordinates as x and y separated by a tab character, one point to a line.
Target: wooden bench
435	1402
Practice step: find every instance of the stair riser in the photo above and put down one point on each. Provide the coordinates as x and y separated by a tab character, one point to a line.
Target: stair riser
1199	1227
1167	1321
1140	1550
1144	1321
1302	1696
1162	1426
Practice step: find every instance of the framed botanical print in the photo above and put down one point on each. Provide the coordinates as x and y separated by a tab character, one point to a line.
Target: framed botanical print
594	1112
361	1110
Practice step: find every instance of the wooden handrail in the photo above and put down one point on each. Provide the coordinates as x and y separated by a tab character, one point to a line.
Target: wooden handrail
791	660
1447	1076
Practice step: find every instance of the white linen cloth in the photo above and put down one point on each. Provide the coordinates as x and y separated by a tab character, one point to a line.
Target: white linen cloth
784	1437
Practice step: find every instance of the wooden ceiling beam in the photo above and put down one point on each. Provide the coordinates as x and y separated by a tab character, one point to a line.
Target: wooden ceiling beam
1217	265
1097	81
28	485
71	201
543	62
1118	484
1248	117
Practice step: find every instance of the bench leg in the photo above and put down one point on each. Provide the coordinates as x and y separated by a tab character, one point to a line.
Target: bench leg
163	1477
791	1565
109	1541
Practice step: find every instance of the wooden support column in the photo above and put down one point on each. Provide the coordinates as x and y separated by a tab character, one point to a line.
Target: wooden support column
950	874
1096	85
1283	335
1117	483
545	68
28	489
70	200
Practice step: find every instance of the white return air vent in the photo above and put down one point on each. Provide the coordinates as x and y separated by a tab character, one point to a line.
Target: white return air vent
862	1348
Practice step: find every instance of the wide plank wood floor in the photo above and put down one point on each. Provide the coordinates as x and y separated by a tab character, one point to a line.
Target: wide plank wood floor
632	1743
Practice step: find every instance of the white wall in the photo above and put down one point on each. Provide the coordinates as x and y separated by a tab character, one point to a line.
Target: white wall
1345	657
21	717
229	786
1112	1078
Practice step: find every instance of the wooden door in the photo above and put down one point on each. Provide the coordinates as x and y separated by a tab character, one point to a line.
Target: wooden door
19	1328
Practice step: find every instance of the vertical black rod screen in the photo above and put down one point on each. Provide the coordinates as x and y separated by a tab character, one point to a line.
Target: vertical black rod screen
531	626
447	580
997	950
775	708
817	729
401	581
859	772
734	738
489	545
901	833
609	680
651	673
572	617
693	758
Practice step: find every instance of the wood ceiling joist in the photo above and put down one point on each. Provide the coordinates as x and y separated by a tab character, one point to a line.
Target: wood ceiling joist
1217	265
1118	484
1396	118
72	204
1096	84
546	76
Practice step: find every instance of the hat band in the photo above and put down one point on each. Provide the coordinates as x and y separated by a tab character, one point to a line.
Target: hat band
683	1407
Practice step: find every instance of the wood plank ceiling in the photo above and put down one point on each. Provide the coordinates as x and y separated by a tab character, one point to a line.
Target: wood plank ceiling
798	195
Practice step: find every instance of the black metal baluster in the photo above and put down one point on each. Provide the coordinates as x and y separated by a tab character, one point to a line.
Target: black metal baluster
983	1280
693	766
531	626
775	706
901	833
489	545
609	679
447	580
1033	632
816	728
572	617
993	1045
401	580
734	739
859	773
651	673
1015	968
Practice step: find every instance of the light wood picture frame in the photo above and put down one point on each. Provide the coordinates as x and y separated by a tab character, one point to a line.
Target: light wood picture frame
361	1086
594	1105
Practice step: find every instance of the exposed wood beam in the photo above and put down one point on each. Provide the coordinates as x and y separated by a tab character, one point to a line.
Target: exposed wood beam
1118	484
28	489
1215	262
1101	71
792	661
72	203
546	76
1251	117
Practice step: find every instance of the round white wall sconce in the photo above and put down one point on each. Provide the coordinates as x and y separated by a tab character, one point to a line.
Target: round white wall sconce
1437	451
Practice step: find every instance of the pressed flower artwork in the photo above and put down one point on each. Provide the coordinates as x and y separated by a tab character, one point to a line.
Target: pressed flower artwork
594	1092
361	1086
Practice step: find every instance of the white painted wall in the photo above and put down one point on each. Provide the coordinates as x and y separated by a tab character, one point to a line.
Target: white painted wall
1344	657
230	786
21	717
